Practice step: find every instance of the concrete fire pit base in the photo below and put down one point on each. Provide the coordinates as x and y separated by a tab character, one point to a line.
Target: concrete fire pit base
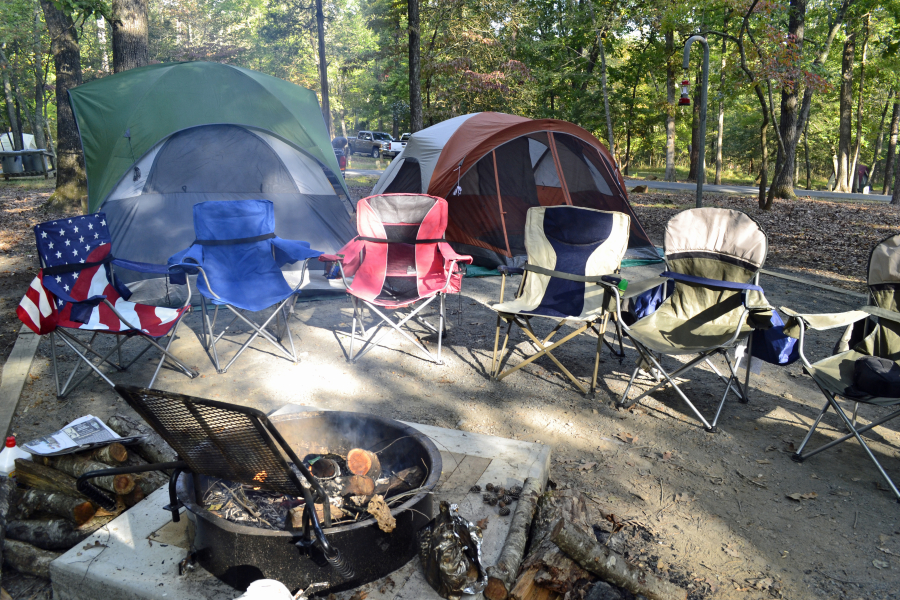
137	555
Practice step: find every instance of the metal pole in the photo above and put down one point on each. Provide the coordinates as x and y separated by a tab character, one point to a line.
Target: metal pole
704	85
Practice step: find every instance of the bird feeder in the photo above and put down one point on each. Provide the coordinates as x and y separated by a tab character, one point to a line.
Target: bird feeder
685	99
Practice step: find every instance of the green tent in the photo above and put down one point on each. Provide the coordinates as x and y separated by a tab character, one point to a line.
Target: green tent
159	139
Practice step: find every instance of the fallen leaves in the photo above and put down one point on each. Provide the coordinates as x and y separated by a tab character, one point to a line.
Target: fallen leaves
731	551
482	523
628	438
880	564
798	496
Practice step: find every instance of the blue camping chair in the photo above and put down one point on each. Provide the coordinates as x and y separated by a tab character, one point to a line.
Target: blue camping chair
240	259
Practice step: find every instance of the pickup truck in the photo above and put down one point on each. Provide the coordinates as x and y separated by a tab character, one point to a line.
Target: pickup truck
397	146
373	143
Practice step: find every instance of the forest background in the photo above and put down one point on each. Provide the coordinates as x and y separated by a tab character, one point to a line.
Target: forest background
800	91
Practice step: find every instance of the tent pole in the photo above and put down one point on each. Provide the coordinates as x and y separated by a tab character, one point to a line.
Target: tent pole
500	203
559	172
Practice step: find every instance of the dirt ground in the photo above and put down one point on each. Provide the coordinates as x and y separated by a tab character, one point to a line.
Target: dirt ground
709	511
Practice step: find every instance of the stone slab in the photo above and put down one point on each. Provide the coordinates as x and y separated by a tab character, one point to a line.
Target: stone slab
15	372
140	551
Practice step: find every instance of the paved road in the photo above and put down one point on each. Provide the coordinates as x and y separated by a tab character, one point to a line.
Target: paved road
752	191
362	172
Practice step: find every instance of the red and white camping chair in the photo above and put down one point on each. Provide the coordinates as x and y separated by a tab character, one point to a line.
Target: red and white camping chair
78	292
398	259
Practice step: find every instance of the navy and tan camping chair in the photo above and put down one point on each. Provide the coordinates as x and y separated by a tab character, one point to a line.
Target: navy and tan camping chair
574	255
871	331
713	257
239	260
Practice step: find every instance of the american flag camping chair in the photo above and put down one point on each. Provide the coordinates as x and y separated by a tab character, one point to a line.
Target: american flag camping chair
77	278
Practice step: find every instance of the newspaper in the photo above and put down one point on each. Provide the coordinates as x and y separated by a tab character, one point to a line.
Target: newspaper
81	434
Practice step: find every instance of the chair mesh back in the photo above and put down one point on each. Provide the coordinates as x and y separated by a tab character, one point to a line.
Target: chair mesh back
216	439
884	272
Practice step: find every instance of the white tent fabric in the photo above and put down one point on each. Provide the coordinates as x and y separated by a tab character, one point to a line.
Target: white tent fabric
6	142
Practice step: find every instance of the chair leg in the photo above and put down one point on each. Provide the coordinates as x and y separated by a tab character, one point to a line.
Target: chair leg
440	330
353	327
597	359
55	364
211	340
746	389
496	344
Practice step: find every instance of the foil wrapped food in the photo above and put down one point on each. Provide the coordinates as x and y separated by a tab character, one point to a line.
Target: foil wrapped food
450	550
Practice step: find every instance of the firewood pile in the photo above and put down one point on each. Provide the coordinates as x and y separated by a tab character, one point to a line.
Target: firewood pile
357	485
42	513
553	551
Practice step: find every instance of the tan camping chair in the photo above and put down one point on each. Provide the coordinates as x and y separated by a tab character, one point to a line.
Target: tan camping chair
873	330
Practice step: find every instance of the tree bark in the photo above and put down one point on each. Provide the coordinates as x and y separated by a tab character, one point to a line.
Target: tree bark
626	164
130	34
895	197
151	448
71	185
323	68
101	42
859	105
611	566
789	133
114	454
74	510
844	175
609	127
27	559
46	534
415	68
14	124
806	152
695	133
670	106
40	140
892	147
720	124
148	481
40	477
764	204
6	489
879	138
77	466
502	575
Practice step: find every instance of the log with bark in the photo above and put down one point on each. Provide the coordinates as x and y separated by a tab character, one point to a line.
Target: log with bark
46	534
151	448
148	481
354	485
502	575
546	569
363	462
6	487
114	454
611	566
36	475
74	510
27	559
403	481
136	495
76	466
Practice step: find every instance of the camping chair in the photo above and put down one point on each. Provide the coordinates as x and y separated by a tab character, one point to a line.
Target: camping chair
399	258
573	256
240	259
77	268
226	441
873	330
711	255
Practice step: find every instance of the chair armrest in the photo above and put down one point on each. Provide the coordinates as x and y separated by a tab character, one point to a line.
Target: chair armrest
882	313
288	251
57	290
331	257
711	283
505	270
142	267
636	288
449	253
820	322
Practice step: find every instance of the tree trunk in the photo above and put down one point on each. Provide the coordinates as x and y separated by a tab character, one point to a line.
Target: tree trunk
895	197
879	138
74	510
844	175
10	103
71	185
859	105
720	124
40	139
25	558
670	106
415	68
130	34
46	534
892	147
764	204
609	127
806	152
101	42
695	133
40	477
626	166
323	68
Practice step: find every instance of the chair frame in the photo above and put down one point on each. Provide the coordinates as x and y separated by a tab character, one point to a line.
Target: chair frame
598	326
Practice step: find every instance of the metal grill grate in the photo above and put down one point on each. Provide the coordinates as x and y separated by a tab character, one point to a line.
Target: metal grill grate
218	439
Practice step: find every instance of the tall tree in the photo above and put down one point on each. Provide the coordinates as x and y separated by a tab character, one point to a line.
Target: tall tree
859	104
323	68
879	138
892	148
130	34
14	124
415	67
71	185
720	123
843	180
670	106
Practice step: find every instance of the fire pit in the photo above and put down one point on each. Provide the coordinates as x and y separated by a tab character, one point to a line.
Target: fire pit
240	554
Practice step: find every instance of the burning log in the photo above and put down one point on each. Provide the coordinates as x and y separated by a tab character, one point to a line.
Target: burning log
363	462
114	454
610	565
74	510
296	515
27	559
152	447
46	534
502	576
76	466
546	567
354	485
36	475
405	480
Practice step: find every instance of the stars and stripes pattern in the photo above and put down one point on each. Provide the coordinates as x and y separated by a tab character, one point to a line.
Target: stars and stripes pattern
86	239
38	308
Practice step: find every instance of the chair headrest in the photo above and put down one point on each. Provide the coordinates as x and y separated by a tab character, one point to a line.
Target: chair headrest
884	262
70	241
233	219
725	234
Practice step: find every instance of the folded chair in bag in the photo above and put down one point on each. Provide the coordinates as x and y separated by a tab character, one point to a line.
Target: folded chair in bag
239	260
713	256
574	254
399	258
873	331
77	277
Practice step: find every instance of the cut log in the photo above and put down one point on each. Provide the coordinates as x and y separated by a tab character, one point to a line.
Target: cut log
75	510
76	466
363	462
610	565
136	495
502	575
114	454
27	559
6	487
405	480
354	485
546	570
40	477
46	534
148	481
152	447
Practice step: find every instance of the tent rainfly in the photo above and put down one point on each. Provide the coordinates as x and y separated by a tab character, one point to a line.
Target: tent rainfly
159	139
492	167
